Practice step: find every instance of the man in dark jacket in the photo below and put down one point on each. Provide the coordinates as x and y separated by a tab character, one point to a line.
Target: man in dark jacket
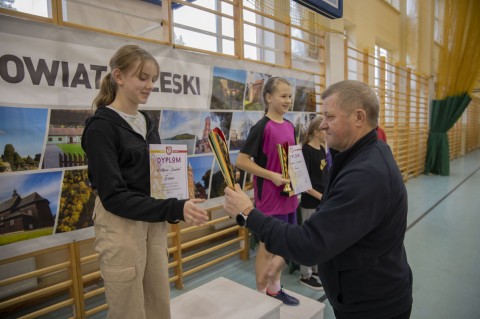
356	234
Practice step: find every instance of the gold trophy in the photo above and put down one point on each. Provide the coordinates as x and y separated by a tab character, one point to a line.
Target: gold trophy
283	156
218	144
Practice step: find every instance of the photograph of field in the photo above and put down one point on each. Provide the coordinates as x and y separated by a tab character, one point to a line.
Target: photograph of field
65	131
22	132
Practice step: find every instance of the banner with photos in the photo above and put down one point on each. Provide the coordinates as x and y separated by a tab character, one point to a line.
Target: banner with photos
46	95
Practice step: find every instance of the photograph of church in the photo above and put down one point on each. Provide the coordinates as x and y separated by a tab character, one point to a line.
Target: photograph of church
25	213
28	205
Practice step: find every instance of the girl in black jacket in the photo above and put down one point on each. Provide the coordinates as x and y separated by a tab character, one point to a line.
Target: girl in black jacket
130	228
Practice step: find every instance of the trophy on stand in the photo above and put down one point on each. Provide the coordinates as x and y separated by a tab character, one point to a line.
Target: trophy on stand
283	156
218	143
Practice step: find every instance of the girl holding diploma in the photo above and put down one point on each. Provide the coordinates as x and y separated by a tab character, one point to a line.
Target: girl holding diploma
261	145
130	225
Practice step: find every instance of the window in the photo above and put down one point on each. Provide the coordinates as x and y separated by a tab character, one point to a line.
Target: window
394	3
300	36
385	81
380	53
438	21
35	7
266	34
282	33
206	25
130	17
249	34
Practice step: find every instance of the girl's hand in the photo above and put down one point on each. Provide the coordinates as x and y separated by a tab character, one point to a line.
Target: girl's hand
194	214
278	180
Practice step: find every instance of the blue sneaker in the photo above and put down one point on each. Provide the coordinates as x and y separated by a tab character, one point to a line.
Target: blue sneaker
286	299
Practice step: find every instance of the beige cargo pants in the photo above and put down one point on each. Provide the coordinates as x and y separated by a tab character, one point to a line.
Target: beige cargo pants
133	265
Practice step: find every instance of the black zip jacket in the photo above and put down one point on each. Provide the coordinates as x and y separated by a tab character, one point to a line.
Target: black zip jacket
119	169
356	234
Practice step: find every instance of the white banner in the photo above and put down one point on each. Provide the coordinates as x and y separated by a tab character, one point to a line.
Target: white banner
53	73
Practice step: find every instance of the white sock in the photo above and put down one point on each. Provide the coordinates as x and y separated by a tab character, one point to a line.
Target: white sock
274	287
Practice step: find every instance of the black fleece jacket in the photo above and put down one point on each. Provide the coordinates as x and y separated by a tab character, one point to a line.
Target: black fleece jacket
119	169
356	234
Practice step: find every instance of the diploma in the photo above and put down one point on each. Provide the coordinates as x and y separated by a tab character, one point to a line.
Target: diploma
168	171
297	169
218	144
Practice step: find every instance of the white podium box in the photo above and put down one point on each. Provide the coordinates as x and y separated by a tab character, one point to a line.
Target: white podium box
222	298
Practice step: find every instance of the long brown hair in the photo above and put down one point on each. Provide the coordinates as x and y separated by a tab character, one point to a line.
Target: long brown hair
123	59
314	125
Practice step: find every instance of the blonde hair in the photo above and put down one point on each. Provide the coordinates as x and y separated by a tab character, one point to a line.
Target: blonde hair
314	125
123	59
271	86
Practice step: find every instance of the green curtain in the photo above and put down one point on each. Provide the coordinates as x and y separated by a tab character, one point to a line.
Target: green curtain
444	114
